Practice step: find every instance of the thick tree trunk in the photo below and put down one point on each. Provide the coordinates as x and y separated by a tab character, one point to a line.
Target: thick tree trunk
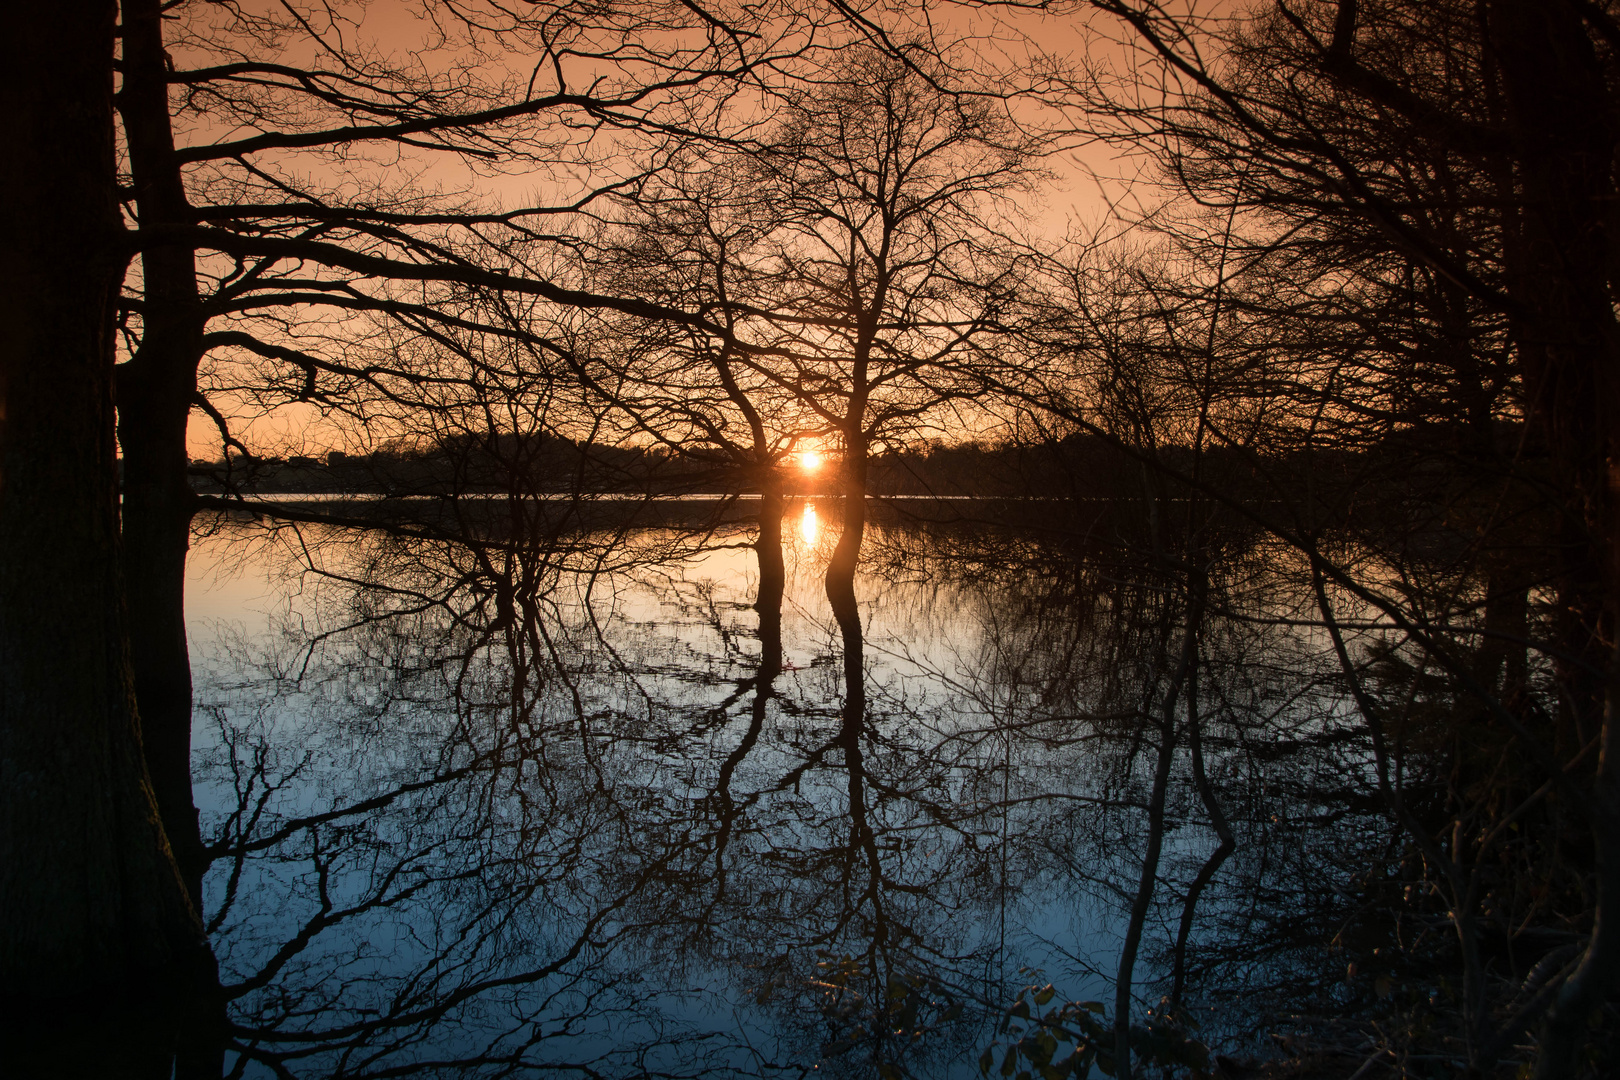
846	556
772	574
1560	256
155	389
89	888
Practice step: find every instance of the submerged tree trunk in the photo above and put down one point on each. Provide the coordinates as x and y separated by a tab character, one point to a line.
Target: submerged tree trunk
846	556
94	907
772	573
155	389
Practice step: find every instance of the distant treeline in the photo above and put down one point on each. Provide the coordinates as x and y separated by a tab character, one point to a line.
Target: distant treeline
1405	463
493	464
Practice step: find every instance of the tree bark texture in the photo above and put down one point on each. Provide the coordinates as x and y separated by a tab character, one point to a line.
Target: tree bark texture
155	390
89	888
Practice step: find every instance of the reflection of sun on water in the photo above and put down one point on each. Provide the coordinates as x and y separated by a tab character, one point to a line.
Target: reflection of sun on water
809	524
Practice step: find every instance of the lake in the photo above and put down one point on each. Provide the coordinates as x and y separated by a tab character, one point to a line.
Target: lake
485	806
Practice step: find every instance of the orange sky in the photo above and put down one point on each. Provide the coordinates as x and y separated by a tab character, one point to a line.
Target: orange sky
1072	202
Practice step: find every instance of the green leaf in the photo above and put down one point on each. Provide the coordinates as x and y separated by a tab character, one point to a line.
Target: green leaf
1045	994
987	1059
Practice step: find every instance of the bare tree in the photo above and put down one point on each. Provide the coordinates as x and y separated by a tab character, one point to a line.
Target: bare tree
259	253
1419	248
852	262
888	262
695	241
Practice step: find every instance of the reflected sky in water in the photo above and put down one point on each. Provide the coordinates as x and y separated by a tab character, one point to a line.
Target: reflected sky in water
478	809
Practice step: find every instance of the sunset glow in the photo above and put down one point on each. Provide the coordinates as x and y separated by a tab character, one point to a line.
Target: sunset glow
1211	404
809	524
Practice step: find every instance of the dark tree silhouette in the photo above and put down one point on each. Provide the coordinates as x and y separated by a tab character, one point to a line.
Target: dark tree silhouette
94	905
252	242
1420	194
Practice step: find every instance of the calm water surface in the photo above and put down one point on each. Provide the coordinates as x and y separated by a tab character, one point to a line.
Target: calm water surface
563	812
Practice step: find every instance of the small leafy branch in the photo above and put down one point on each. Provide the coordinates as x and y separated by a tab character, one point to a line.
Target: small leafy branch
1066	1041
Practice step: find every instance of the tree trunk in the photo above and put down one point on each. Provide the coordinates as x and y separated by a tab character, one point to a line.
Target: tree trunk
1559	268
846	555
92	899
155	389
772	574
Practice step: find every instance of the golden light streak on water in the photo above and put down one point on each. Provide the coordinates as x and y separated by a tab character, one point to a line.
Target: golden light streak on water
809	524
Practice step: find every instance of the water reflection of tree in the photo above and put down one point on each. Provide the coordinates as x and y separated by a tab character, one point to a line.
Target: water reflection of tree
1082	660
423	788
555	792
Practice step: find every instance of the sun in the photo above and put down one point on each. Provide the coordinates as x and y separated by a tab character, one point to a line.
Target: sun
810	460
